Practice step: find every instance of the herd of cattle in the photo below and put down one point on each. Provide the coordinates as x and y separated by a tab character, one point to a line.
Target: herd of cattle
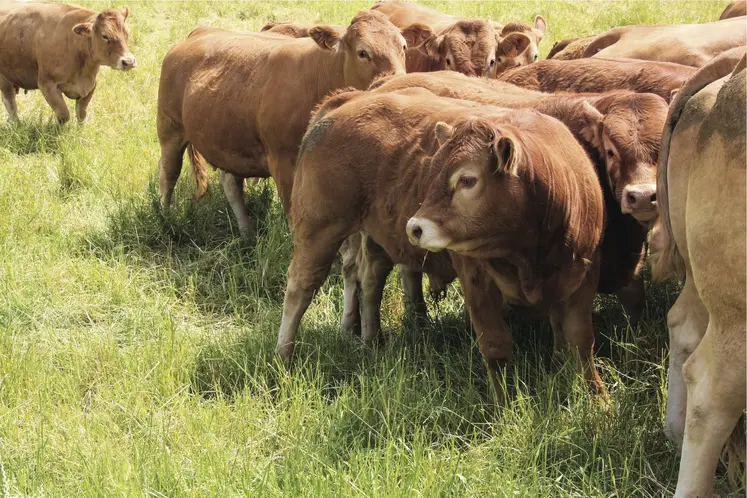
442	145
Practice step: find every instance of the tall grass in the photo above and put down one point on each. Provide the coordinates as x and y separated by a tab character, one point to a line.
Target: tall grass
136	351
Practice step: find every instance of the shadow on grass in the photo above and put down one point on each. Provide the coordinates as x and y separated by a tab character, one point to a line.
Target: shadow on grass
26	138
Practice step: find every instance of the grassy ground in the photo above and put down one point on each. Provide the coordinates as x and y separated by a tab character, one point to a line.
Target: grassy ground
136	352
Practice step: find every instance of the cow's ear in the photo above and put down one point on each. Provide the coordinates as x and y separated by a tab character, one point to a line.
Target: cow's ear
505	155
540	27
512	45
443	132
433	46
591	126
417	33
83	29
325	36
125	12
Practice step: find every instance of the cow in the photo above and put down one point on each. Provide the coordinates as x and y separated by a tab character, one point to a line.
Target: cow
688	44
601	75
242	100
627	124
570	48
700	238
472	47
58	49
736	8
386	151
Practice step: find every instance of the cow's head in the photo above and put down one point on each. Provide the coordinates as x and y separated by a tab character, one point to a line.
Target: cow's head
518	44
628	139
108	36
468	47
371	46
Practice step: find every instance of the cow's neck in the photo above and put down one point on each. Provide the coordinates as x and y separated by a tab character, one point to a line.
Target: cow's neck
85	64
334	77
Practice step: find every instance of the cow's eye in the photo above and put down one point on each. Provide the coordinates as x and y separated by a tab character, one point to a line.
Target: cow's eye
492	63
404	48
536	57
610	153
106	38
448	61
466	182
362	54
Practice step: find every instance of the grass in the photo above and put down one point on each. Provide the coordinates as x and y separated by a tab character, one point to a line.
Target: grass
136	352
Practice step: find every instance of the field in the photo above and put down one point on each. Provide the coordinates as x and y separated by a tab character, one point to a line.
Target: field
136	352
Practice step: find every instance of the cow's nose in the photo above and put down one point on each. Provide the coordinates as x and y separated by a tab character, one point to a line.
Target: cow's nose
639	197
414	230
128	62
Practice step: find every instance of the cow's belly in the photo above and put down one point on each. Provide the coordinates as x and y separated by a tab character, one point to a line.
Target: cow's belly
77	89
20	71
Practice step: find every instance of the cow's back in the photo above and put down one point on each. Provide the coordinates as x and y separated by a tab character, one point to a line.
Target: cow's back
403	14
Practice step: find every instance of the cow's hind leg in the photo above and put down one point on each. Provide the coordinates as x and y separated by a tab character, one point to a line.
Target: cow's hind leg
351	313
170	165
715	377
374	269
9	99
233	187
312	258
687	321
412	285
632	297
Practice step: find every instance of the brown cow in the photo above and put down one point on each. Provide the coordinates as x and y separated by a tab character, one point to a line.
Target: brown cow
471	47
571	48
601	75
688	44
385	154
58	49
295	30
243	100
700	237
736	8
627	124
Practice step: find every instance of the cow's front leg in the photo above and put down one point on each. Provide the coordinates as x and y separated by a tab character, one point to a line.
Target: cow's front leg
484	303
9	99
53	96
81	106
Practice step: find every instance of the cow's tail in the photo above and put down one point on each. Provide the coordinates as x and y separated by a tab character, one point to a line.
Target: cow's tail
603	41
666	260
198	170
734	455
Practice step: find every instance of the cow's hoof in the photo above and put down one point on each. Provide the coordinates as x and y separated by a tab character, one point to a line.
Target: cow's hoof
285	351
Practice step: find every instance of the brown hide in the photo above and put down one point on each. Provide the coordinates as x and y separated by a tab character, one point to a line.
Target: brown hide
736	8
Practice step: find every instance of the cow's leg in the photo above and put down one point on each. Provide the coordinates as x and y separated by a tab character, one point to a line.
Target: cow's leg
313	256
170	164
233	187
574	318
559	342
54	98
374	269
484	303
632	297
351	313
412	285
687	322
9	99
81	106
715	377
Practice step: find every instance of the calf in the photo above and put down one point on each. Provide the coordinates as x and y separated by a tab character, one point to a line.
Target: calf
243	100
620	133
520	172
601	75
471	47
58	49
700	237
688	44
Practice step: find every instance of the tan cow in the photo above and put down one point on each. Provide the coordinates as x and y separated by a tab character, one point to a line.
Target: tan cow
518	158
601	75
736	8
243	100
471	47
700	237
627	124
58	49
571	48
688	44
295	30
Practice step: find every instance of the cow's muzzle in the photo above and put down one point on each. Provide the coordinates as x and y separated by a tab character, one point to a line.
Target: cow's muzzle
639	200
424	233
127	62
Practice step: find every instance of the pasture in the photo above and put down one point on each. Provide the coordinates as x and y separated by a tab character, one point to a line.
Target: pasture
136	351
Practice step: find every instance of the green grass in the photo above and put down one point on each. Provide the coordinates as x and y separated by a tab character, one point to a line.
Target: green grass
136	352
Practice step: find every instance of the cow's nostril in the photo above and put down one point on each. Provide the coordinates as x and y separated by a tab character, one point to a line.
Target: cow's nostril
653	197
417	232
631	198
